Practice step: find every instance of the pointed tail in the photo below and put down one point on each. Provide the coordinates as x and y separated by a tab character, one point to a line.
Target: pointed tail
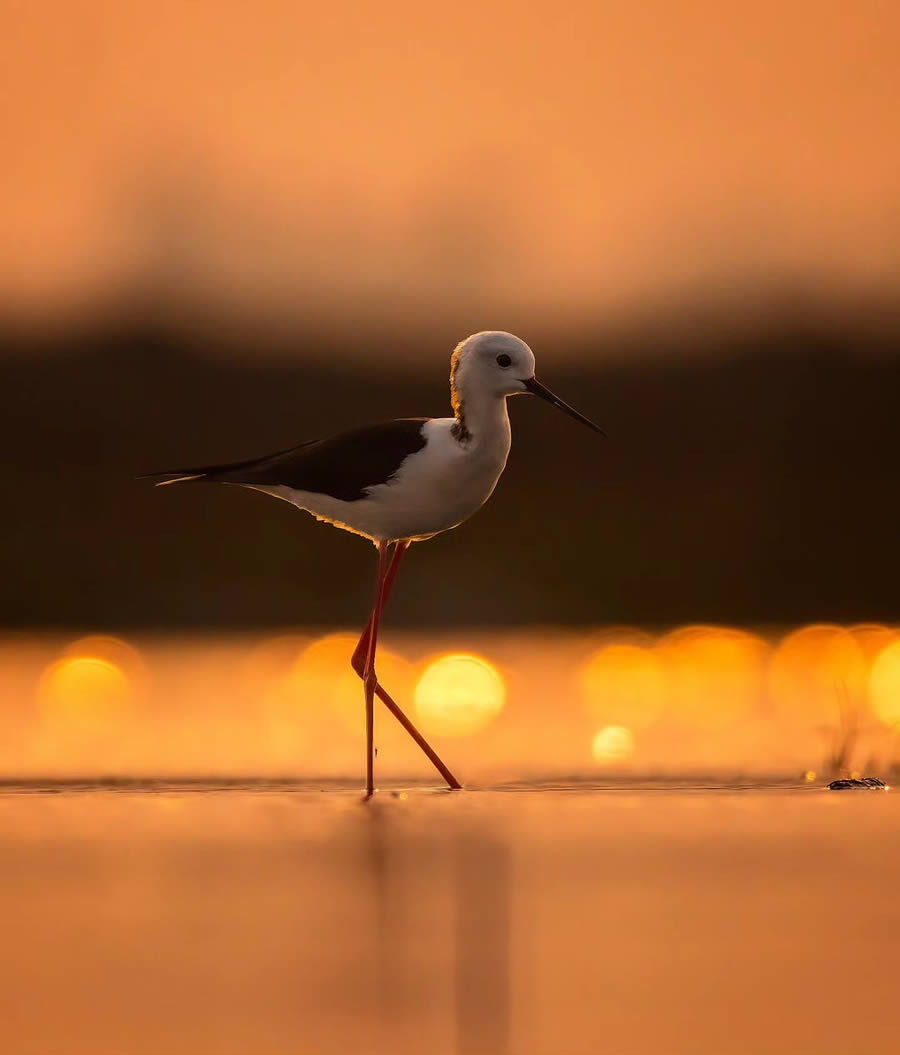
177	476
165	478
228	472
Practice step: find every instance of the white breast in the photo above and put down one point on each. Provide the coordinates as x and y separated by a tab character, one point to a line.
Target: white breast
434	489
445	483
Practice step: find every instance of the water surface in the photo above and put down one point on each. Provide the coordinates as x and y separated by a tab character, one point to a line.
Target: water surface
261	918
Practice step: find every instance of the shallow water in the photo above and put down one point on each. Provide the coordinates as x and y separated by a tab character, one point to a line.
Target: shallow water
209	918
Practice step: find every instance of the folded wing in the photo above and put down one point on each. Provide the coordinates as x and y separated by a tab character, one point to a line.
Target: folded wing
344	466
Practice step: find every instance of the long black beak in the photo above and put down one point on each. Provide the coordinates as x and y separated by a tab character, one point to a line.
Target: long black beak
537	389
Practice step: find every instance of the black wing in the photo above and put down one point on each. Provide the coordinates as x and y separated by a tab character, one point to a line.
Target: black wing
343	466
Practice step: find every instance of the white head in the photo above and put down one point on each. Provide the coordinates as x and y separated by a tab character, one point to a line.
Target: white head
493	365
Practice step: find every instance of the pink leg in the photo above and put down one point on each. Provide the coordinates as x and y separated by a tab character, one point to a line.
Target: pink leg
362	650
362	646
370	679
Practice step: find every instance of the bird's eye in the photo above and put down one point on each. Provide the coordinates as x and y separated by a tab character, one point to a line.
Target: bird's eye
504	360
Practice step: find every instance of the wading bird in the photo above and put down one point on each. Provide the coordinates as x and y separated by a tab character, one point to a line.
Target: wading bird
402	482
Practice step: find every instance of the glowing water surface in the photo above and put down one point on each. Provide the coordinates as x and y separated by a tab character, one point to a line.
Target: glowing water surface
241	918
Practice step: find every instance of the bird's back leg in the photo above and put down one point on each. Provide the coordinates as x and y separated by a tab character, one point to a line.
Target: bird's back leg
358	663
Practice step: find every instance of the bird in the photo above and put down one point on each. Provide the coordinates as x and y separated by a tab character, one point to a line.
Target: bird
402	481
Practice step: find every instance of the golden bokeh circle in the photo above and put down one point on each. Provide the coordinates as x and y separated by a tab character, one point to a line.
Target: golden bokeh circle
612	743
818	670
84	691
714	675
884	684
126	657
872	639
321	680
459	694
623	683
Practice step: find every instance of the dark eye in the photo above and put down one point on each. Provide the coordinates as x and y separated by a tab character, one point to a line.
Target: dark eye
504	360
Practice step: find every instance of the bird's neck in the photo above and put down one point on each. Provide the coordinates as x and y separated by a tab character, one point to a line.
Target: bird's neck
480	418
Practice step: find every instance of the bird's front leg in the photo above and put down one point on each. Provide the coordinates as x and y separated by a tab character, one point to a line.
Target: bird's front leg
370	678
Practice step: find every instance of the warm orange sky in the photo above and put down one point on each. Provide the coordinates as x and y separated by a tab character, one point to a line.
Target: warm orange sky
522	158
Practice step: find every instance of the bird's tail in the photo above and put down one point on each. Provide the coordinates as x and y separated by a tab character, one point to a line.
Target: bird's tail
245	472
162	479
178	476
228	472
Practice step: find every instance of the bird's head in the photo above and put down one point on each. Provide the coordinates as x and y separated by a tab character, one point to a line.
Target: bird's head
493	362
499	364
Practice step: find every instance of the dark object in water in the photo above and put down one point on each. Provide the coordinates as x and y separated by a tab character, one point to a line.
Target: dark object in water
852	783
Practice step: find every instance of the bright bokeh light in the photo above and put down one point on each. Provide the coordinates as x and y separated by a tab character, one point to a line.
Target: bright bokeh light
459	694
819	668
321	679
612	743
884	684
713	675
84	690
623	683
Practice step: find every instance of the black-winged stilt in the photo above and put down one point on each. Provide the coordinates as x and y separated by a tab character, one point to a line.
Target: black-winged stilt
403	481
